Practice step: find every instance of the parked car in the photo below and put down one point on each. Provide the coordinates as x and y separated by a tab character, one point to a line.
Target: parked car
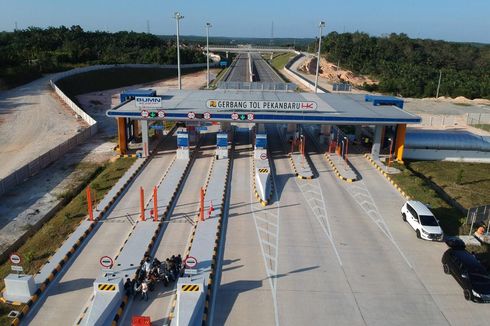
422	220
468	272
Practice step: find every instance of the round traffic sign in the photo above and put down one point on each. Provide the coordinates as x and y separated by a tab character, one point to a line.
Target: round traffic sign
206	115
263	156
234	116
161	114
191	115
106	261
15	259
250	116
145	113
190	262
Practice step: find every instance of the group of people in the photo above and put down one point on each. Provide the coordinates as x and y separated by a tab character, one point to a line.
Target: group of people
151	272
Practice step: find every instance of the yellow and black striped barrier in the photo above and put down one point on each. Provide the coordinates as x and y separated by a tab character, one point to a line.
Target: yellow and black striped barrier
106	287
190	288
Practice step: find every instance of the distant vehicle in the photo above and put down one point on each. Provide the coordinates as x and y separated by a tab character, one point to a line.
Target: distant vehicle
468	272
422	220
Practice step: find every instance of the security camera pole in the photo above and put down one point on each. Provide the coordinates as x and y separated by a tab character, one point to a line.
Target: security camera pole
322	24
178	17
208	25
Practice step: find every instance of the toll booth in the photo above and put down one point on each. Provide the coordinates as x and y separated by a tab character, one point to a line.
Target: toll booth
182	145
260	146
129	129
222	145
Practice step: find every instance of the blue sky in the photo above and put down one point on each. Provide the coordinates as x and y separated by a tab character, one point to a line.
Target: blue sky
452	20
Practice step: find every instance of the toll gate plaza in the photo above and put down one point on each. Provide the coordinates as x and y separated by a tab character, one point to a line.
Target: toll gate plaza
263	107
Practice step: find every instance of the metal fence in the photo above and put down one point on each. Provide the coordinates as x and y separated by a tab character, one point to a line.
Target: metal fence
478	119
478	216
263	86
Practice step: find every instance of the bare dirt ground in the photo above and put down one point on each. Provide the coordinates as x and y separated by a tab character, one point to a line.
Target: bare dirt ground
333	73
29	202
33	120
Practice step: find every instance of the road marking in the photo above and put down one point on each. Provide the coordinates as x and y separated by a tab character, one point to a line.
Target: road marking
270	260
373	213
318	208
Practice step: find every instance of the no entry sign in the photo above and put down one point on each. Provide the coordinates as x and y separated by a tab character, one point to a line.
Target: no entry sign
263	156
106	261
15	259
190	262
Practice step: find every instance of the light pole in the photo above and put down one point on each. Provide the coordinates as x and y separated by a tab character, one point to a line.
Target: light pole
322	24
208	26
178	17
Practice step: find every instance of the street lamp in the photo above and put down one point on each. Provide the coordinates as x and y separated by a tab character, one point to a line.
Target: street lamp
178	17
208	26
322	24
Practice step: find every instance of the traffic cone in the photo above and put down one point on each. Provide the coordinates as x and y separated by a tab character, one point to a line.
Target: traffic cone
211	209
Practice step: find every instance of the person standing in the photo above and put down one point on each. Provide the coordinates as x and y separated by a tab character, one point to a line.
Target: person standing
144	290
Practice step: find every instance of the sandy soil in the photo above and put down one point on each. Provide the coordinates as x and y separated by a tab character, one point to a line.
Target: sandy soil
29	202
334	73
33	121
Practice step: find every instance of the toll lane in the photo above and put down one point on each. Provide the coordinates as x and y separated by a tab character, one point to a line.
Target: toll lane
70	293
175	237
424	256
244	294
381	278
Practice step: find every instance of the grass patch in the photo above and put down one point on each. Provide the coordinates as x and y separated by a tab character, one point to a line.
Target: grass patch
99	80
44	243
485	127
281	60
467	183
419	189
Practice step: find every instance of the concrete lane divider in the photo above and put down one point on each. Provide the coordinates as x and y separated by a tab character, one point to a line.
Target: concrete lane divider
336	170
165	217
129	177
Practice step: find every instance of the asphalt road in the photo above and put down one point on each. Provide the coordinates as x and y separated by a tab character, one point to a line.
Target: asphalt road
265	73
239	72
66	297
331	253
175	238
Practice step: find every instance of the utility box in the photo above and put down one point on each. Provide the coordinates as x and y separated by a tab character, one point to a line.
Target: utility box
222	145
183	145
260	141
19	287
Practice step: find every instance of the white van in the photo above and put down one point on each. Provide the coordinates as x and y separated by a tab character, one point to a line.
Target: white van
422	220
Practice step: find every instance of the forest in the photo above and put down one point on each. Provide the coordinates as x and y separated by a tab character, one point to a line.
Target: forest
27	54
410	67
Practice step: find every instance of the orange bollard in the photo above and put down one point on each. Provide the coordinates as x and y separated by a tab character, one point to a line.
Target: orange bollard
142	204
155	204
89	204
201	211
